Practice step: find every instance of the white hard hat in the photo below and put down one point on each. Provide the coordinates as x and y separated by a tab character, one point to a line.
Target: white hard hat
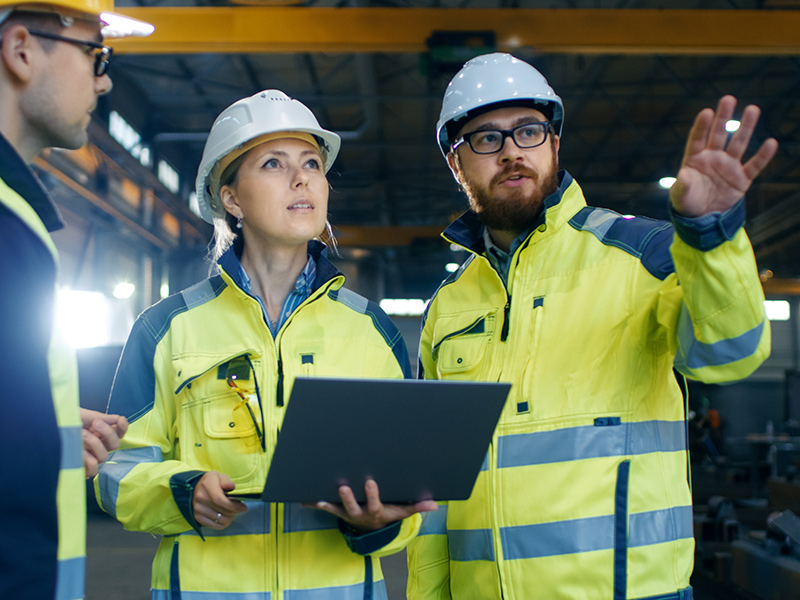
266	112
490	79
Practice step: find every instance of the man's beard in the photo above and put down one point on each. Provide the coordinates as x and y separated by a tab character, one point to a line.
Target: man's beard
516	211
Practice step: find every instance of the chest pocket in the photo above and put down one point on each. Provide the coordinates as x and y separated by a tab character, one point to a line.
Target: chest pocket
461	345
219	424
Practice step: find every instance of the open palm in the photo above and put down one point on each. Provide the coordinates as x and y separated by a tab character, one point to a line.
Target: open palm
712	176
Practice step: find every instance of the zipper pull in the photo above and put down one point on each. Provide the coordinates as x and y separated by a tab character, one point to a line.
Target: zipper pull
279	398
506	311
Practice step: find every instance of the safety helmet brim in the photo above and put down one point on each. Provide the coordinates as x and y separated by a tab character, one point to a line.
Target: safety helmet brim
113	25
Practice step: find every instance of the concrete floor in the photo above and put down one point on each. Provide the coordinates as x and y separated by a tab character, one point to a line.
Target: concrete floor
118	563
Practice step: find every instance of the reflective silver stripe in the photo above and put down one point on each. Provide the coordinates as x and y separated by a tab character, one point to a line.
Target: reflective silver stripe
298	518
599	222
253	522
188	595
119	464
352	300
578	443
485	464
71	447
694	354
70	578
434	523
348	592
656	526
198	293
595	533
470	544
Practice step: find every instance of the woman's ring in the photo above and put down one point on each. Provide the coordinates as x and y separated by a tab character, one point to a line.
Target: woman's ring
219	516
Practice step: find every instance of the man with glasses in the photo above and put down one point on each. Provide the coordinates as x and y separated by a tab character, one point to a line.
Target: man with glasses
587	312
53	70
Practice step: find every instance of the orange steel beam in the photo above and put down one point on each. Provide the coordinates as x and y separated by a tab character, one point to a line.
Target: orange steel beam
790	287
365	236
247	29
100	203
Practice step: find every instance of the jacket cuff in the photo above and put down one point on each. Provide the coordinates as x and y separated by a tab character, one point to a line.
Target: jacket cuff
182	486
709	231
367	542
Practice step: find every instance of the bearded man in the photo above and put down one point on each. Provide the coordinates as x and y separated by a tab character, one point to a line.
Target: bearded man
584	493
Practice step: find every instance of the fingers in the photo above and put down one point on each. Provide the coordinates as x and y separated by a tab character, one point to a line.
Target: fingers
94	453
739	140
105	433
761	159
718	136
211	506
349	502
374	504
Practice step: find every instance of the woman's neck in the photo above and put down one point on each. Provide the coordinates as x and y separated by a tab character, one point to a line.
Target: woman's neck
273	273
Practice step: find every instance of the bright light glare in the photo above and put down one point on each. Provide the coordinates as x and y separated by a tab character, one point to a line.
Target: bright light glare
732	126
451	267
666	182
124	290
406	307
164	290
777	310
83	318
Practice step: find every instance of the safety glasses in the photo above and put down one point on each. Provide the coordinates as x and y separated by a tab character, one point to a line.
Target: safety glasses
102	54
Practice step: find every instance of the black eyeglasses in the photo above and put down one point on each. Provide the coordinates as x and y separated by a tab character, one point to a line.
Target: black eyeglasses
102	54
489	141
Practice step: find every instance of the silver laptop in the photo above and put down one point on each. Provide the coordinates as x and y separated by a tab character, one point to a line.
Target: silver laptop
417	439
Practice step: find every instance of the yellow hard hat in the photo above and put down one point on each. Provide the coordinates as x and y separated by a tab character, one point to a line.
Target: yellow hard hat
115	25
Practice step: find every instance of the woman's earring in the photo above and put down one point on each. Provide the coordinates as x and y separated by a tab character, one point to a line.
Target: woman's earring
239	222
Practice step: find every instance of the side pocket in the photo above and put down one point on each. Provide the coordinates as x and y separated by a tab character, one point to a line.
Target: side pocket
621	531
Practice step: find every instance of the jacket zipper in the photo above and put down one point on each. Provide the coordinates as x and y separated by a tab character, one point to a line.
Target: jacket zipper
279	397
506	319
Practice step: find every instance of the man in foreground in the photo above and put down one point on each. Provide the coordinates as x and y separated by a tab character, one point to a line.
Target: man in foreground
586	312
53	68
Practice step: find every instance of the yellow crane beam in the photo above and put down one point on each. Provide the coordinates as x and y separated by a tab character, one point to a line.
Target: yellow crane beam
248	29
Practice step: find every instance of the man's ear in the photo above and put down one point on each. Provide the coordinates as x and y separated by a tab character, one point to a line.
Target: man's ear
455	168
16	51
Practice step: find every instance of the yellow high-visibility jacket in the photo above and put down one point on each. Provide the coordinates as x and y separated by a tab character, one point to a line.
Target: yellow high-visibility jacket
43	509
585	491
172	385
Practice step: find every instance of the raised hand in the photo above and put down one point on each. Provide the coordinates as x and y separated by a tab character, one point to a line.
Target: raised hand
712	176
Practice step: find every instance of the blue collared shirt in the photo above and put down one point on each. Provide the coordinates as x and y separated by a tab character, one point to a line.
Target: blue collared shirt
302	290
499	258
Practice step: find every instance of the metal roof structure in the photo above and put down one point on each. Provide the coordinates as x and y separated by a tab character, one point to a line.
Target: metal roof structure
632	74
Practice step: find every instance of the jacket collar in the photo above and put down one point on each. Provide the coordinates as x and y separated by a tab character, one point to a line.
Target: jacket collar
229	262
19	177
467	230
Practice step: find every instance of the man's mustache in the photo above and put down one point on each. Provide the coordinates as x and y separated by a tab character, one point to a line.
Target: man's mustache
515	169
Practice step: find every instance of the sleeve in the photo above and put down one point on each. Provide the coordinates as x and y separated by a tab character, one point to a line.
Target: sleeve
429	559
143	485
382	542
715	314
